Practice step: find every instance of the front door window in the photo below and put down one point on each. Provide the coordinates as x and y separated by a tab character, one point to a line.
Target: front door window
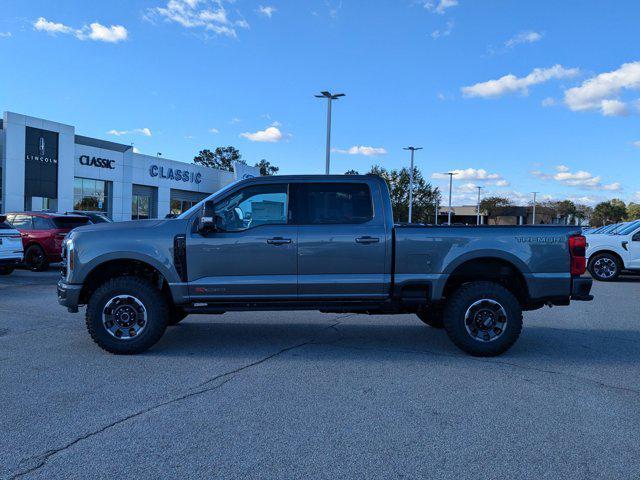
253	207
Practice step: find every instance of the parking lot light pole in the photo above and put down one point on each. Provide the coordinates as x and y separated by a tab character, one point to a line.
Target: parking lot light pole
412	149
451	174
534	208
329	98
478	219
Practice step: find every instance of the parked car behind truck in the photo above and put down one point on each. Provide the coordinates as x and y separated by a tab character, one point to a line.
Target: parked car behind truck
325	243
10	247
42	235
609	254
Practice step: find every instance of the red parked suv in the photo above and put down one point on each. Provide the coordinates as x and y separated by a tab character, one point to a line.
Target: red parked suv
42	234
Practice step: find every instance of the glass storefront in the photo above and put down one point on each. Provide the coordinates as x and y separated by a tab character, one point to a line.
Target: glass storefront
140	207
91	195
183	200
179	206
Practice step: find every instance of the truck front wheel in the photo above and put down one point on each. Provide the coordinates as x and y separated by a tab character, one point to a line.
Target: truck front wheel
126	315
483	319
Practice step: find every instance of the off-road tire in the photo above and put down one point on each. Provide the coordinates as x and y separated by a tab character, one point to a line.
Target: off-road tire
462	300
153	301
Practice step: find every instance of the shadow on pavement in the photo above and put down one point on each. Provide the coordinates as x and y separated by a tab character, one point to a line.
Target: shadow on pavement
378	341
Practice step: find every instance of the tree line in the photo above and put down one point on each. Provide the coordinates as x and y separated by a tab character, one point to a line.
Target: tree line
426	197
223	158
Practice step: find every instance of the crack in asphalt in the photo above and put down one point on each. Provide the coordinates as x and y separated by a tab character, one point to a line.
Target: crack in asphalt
223	377
491	362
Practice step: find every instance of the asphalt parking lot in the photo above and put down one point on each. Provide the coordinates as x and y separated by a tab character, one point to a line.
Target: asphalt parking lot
310	395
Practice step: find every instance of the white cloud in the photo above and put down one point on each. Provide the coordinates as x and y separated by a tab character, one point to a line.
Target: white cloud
235	120
267	11
118	133
269	134
440	6
362	150
614	108
523	37
96	31
209	15
214	130
479	175
601	92
548	102
445	32
510	83
44	25
5	34
579	179
136	150
636	143
144	131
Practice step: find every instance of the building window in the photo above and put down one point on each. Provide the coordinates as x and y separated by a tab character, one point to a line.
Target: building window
180	206
140	207
90	195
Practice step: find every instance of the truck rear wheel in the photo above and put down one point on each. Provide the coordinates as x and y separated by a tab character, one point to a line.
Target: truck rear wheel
432	316
126	315
483	319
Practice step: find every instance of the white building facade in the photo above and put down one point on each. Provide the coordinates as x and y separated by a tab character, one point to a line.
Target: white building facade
46	166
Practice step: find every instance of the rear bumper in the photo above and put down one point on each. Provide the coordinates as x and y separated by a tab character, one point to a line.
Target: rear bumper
69	295
581	288
10	262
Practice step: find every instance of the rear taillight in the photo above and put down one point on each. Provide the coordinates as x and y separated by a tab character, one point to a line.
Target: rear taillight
578	251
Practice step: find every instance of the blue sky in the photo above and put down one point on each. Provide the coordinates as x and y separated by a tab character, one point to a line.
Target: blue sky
518	96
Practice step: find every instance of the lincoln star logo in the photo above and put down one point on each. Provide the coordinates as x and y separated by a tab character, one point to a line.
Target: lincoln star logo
42	146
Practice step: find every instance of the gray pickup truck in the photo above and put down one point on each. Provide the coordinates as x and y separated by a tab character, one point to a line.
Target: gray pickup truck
325	243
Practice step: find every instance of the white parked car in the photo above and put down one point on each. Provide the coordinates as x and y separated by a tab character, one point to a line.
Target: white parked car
609	254
10	247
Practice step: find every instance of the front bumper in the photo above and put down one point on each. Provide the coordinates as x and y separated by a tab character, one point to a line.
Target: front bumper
69	295
580	289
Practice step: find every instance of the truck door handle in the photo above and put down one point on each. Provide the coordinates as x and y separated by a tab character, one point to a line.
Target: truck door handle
278	241
367	239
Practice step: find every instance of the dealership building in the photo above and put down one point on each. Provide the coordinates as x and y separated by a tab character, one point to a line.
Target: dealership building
45	165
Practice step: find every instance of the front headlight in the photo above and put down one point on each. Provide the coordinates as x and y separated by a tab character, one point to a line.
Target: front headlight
69	256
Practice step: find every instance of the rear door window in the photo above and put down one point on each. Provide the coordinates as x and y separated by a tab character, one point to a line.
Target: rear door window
22	222
41	223
70	222
332	204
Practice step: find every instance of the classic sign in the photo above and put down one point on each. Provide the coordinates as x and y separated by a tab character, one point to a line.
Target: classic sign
97	162
175	174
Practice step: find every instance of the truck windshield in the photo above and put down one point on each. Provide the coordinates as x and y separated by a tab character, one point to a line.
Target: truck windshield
627	229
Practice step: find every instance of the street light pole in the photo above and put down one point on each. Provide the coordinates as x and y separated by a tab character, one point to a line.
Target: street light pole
478	219
451	174
329	98
534	207
412	149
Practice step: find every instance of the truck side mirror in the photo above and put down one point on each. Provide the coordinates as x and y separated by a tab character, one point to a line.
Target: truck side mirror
209	221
